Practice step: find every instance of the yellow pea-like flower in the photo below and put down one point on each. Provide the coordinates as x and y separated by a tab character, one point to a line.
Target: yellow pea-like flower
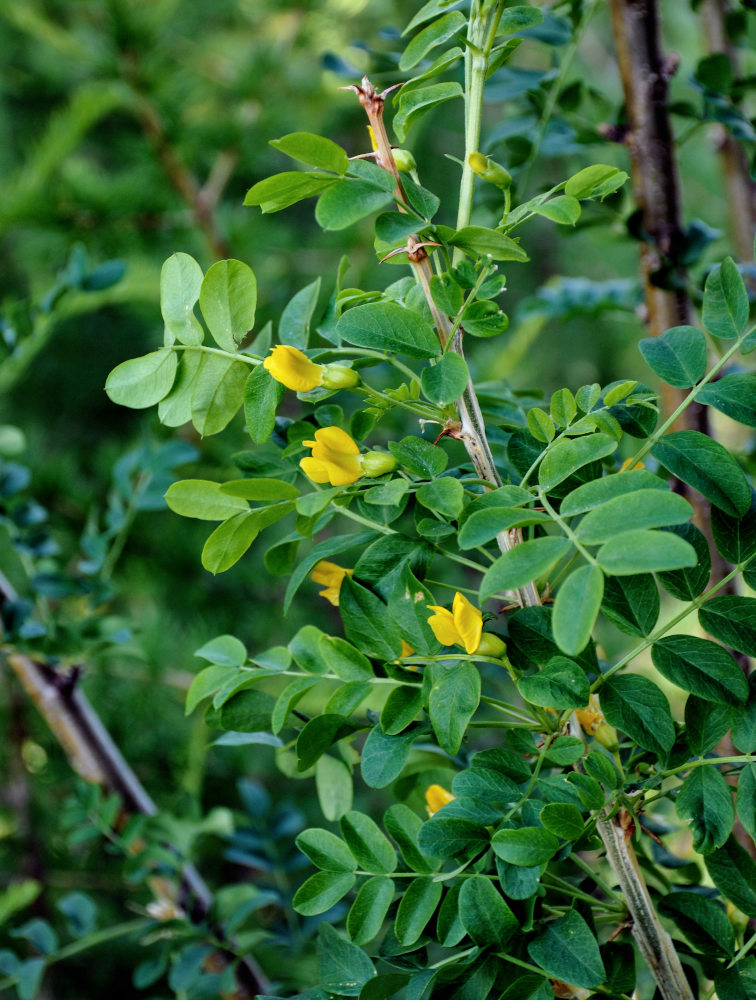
293	369
331	576
436	797
462	626
335	458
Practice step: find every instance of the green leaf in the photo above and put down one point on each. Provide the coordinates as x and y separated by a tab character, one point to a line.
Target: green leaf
485	916
282	190
531	642
518	19
585	181
733	395
640	509
142	382
733	872
321	891
563	819
228	543
567	950
453	700
180	284
341	658
732	620
259	489
705	801
444	495
637	706
333	782
687	584
480	241
416	103
678	356
706	723
203	499
641	550
287	700
175	409
743	719
444	382
228	299
526	846
702	667
564	209
365	621
419	457
404	825
225	651
319	735
702	921
452	836
314	150
294	325
428	11
485	784
632	603
483	525
384	756
217	393
247	712
343	968
387	326
540	425
560	684
369	846
349	200
746	799
725	303
707	466
569	455
564	750
601	491
576	608
368	911
523	564
431	36
408	610
417	906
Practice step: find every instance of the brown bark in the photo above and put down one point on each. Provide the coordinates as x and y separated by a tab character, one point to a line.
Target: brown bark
645	73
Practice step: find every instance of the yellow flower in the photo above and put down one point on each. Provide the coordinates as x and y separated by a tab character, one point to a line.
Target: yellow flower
462	626
293	369
335	458
331	576
407	650
590	717
436	797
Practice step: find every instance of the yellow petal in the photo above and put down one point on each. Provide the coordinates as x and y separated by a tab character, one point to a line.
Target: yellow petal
468	621
293	369
407	650
335	439
590	717
331	594
328	573
442	625
315	470
436	797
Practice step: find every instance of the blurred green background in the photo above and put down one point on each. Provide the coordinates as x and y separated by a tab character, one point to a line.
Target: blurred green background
130	130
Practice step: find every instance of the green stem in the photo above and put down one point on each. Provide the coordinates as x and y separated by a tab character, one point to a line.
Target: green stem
248	359
604	886
567	530
743	951
745	758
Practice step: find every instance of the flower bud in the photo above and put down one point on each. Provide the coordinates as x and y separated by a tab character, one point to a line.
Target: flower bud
491	645
377	463
404	160
489	170
339	377
606	735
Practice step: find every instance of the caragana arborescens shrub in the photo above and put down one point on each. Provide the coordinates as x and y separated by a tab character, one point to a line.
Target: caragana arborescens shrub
518	764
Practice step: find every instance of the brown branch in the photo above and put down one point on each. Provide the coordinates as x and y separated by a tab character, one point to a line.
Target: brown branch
96	758
645	74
